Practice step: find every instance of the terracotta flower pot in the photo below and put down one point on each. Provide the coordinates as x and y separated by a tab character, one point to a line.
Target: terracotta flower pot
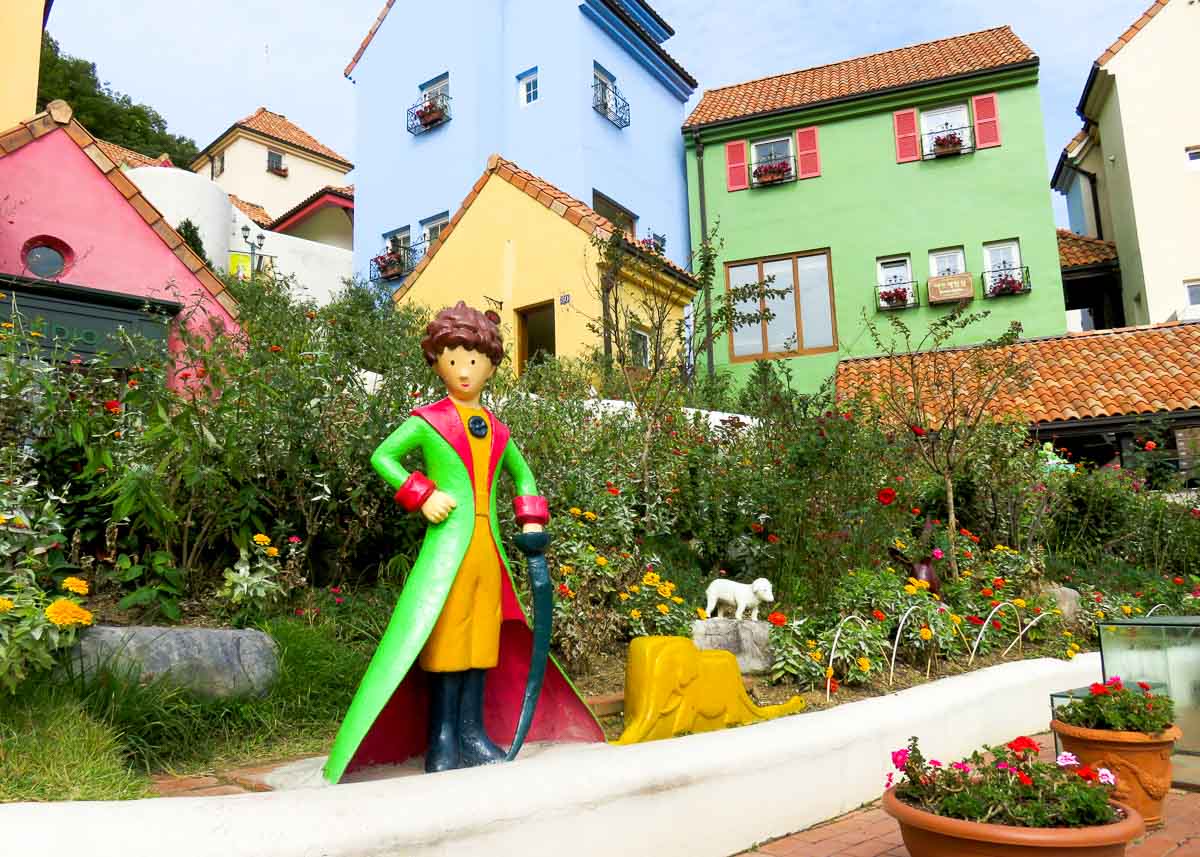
929	835
1140	762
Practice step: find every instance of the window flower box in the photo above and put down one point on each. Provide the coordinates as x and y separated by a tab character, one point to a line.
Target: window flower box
430	114
1003	282
897	295
772	172
431	111
278	171
949	143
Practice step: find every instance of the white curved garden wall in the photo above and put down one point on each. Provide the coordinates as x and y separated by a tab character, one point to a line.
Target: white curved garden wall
708	795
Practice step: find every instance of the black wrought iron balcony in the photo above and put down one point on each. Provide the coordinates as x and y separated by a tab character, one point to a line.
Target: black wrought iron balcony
396	263
774	171
946	142
610	104
897	295
1000	282
428	113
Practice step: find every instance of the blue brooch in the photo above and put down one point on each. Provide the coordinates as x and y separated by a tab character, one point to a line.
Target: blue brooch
477	426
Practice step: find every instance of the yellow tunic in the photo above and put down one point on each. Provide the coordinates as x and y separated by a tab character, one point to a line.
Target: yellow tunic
467	633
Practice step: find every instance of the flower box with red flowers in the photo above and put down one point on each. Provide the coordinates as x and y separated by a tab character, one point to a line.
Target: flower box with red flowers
1006	281
949	143
897	296
772	172
389	265
430	113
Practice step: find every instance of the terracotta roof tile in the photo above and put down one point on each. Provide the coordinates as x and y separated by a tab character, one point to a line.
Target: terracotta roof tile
1134	28
561	203
276	125
252	210
120	155
922	63
1103	373
1077	250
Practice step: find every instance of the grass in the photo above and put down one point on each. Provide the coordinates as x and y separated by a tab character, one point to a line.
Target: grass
97	739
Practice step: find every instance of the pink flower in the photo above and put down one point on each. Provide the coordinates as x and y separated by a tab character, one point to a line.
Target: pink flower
961	766
900	758
1106	776
1066	760
1004	766
935	763
294	540
338	600
937	553
888	783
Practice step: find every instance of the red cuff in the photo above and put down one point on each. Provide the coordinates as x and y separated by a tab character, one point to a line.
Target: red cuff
414	492
531	510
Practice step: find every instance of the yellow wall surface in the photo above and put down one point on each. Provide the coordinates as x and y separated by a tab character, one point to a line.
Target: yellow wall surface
513	249
20	56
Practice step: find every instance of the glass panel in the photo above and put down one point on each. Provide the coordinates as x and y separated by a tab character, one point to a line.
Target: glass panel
935	123
816	313
945	262
746	340
781	329
1002	256
894	271
772	150
43	261
1194	294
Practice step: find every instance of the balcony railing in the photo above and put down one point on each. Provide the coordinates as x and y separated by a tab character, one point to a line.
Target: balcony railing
1001	282
945	142
773	171
397	263
610	104
897	295
428	113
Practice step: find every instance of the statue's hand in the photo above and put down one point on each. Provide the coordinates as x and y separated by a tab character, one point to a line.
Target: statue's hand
532	528
438	507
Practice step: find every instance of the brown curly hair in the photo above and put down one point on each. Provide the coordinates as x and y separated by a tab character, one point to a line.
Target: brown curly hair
466	327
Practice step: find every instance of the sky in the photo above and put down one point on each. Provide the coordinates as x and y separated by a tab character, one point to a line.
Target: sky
205	66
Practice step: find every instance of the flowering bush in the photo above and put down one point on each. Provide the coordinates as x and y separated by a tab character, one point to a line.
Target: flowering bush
1112	705
1008	786
654	609
260	579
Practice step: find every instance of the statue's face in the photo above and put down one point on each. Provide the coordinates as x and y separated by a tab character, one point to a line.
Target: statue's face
465	373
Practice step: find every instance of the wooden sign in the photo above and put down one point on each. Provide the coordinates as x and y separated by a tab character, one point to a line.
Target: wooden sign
951	288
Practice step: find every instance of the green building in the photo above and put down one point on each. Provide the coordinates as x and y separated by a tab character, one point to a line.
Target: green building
903	182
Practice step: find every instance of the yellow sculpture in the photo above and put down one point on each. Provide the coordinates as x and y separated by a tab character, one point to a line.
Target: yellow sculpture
672	688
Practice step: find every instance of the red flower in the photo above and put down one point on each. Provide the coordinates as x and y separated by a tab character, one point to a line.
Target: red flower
1087	773
974	620
756	527
987	592
299	611
614	490
275	349
917	430
773	539
1024	778
886	496
338	600
1178	581
1023	744
832	684
294	540
915	510
564	590
998	582
777	619
878	614
1099	689
1144	686
968	555
1150	446
996	624
133	383
336	590
74	361
1196	512
112	406
993	603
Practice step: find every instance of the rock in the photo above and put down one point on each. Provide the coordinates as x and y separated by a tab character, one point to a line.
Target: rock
749	641
213	663
1067	600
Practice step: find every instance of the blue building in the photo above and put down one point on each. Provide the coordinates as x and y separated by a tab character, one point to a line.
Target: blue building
580	93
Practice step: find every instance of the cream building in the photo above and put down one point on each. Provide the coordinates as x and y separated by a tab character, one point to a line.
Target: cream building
1132	175
21	23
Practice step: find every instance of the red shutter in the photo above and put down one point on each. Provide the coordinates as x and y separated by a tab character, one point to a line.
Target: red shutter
736	177
908	141
808	157
987	121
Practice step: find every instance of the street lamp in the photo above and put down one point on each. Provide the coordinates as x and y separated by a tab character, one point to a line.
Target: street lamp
256	244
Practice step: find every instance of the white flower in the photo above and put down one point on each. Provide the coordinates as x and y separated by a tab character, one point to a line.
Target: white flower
1065	760
1106	776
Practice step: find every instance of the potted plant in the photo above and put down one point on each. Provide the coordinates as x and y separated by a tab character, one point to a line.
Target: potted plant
1128	731
389	264
774	171
895	296
1006	803
430	113
1006	284
947	143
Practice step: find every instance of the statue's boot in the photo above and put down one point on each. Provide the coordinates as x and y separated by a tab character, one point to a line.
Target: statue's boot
473	741
445	691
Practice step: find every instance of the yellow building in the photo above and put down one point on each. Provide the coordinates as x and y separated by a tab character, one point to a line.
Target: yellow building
522	247
21	23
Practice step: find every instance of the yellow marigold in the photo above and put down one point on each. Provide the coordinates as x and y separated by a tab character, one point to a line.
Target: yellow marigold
812	644
701	613
910	589
36	334
663	609
272	551
864	664
1126	609
1099	614
935	596
926	634
956	619
664	590
601	561
634	588
76	585
828	672
650	579
6	604
262	539
1074	647
1019	602
1056	612
816	656
3	520
676	599
636	614
1070	654
64	613
914	582
576	511
900	544
566	569
591	516
624	596
1068	634
967	573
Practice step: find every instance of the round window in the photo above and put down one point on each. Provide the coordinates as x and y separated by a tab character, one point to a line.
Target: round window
46	257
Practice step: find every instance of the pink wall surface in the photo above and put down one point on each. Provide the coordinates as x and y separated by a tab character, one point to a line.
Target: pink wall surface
50	187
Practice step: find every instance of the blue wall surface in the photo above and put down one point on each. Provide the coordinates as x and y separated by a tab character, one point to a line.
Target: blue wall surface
402	179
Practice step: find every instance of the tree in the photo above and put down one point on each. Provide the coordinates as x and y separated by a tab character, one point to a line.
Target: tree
942	395
110	115
191	237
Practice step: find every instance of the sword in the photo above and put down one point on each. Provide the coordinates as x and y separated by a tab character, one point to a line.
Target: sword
534	545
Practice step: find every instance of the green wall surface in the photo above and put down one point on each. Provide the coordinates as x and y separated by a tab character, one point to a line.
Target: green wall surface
864	205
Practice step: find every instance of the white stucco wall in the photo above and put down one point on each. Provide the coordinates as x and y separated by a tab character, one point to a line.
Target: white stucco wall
181	195
331	225
319	269
1156	107
246	176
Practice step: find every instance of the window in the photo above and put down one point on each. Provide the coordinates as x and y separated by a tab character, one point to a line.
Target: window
943	263
432	228
398	240
1193	290
802	317
614	211
1192	153
893	271
527	87
45	261
941	123
439	86
772	160
216	165
1001	259
604	87
275	163
639	348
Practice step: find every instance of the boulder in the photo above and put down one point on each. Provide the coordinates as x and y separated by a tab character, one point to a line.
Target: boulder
213	663
749	641
1067	600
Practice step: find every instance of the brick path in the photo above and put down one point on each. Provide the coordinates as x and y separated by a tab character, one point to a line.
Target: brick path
870	832
235	782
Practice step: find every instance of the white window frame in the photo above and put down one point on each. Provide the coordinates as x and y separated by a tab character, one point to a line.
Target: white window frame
934	254
1192	296
928	133
217	165
525	85
638	333
754	161
884	260
438	223
439	86
1191	156
996	245
271	152
398	239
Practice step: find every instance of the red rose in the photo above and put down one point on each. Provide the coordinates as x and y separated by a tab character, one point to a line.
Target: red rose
777	619
1024	778
886	496
299	611
1023	744
878	614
